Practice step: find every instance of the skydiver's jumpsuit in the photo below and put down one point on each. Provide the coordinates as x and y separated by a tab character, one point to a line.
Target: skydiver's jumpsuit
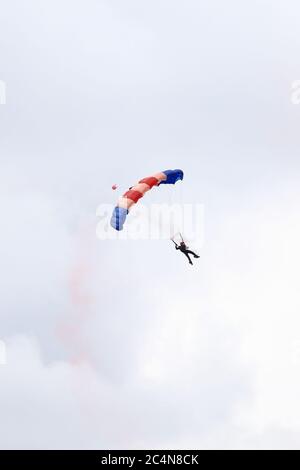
184	249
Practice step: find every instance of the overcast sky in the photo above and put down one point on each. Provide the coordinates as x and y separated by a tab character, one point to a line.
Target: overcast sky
122	344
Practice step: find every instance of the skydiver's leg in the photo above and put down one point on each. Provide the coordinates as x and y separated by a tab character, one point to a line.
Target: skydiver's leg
192	253
186	254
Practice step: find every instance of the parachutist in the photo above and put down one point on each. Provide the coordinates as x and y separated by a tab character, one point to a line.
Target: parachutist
185	250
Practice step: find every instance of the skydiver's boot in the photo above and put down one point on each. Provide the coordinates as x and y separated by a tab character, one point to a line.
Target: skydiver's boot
192	253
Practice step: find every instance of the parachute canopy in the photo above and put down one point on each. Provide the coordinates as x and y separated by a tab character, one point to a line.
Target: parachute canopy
136	192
